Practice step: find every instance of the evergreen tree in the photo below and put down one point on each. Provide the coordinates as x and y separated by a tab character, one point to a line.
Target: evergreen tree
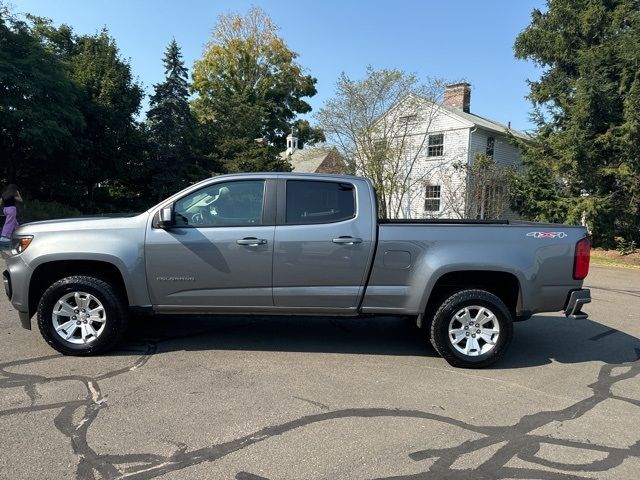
584	163
171	128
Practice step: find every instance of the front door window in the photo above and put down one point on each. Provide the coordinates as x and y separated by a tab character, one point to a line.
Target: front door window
229	204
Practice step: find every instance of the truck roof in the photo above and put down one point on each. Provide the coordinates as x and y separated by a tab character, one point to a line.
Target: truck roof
290	174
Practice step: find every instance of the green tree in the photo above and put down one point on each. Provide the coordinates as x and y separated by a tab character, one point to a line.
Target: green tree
308	134
585	161
39	114
113	101
109	101
68	131
249	87
172	132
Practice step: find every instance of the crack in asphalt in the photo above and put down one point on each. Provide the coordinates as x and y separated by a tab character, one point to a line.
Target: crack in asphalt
621	291
517	440
606	333
320	405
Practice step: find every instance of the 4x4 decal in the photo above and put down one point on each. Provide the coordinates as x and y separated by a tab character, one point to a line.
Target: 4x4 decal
547	234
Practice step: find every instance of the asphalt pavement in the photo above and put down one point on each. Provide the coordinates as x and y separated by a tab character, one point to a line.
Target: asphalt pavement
253	398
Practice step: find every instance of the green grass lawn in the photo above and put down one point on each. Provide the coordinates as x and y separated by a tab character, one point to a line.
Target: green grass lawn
612	258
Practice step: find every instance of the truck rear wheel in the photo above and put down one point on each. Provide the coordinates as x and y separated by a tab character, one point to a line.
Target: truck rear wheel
82	315
472	329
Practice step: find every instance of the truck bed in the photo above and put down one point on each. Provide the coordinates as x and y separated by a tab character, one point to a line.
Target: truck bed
440	221
534	259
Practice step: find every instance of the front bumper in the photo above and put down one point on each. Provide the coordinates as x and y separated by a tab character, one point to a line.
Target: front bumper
16	284
577	298
6	281
25	320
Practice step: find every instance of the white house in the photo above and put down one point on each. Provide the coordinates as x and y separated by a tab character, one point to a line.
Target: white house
437	136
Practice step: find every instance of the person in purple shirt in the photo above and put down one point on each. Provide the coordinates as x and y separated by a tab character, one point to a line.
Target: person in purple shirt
10	197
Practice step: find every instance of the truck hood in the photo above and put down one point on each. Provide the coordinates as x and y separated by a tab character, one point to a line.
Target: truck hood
110	222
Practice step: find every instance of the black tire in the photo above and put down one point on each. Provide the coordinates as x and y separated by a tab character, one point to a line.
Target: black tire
446	312
117	315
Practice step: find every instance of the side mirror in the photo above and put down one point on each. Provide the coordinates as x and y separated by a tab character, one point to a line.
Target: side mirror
165	219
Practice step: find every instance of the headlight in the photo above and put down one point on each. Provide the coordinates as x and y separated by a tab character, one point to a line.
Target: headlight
20	244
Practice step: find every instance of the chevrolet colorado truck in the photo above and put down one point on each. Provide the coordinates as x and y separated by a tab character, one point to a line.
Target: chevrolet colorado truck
293	244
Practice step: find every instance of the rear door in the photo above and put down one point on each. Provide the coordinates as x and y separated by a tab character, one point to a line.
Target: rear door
220	254
324	243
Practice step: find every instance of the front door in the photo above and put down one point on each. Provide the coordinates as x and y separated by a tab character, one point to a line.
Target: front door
220	253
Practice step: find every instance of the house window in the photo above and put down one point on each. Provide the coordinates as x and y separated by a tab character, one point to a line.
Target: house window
436	145
491	142
380	148
406	119
379	145
432	198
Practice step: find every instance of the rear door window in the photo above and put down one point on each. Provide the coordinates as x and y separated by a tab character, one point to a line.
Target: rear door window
313	201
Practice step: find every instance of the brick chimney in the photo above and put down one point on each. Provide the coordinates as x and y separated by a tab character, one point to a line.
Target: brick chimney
458	95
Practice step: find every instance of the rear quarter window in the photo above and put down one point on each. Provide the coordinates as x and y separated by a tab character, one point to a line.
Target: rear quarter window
310	201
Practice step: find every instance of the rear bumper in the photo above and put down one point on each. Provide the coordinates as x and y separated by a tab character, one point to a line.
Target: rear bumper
577	298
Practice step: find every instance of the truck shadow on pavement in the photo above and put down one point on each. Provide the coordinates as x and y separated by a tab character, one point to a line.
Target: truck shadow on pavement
516	441
537	342
543	339
370	335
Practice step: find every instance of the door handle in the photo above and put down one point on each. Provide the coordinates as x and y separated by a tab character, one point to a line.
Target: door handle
347	240
251	241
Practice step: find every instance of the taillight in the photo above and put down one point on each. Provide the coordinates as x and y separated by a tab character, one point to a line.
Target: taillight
581	260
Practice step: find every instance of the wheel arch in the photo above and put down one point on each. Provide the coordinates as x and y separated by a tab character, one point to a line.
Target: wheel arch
505	285
49	272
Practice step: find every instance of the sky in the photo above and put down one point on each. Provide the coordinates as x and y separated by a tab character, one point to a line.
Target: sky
452	39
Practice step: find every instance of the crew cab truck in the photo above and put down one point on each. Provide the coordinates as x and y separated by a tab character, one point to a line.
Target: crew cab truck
293	244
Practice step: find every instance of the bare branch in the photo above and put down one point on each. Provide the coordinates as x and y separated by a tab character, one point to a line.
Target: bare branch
371	121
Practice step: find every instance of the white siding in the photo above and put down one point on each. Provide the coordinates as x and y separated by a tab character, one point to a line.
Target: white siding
460	146
429	170
439	171
505	153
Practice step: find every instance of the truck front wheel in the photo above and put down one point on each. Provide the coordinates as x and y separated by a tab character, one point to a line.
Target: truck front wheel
472	329
82	315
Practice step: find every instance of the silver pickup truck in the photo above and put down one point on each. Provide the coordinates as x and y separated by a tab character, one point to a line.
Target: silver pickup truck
293	244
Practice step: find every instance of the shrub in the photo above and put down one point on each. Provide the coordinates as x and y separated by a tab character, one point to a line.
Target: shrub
625	247
34	210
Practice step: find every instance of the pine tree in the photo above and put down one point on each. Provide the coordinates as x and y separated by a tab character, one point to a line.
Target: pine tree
172	160
584	164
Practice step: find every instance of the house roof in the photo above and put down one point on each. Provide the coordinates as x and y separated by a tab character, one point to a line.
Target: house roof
307	159
485	123
469	118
